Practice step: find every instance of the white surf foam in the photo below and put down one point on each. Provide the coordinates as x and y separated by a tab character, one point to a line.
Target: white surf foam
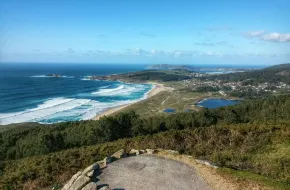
43	110
122	90
68	109
45	76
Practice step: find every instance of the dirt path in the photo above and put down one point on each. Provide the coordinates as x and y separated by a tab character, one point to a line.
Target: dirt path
150	173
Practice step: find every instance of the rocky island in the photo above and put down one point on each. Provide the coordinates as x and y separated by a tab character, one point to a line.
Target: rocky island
53	75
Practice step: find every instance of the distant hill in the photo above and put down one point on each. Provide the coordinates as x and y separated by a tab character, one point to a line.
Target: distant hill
147	75
171	67
273	74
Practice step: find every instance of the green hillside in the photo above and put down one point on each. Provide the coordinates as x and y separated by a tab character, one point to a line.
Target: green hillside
252	136
148	75
274	74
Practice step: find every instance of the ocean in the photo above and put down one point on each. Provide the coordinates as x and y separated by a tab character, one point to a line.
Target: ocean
27	95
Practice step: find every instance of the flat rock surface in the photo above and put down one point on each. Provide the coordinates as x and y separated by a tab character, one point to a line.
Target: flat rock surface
150	173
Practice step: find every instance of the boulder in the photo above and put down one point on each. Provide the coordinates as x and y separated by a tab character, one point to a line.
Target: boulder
105	188
150	151
107	160
91	173
71	181
120	154
92	167
142	151
80	182
102	164
171	151
207	163
134	151
90	186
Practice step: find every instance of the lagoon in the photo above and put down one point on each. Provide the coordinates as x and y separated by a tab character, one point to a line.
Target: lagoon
169	110
216	103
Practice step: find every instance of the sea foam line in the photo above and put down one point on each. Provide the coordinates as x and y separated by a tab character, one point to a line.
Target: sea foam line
56	108
45	76
43	110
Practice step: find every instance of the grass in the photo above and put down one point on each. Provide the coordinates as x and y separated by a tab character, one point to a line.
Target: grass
179	99
247	176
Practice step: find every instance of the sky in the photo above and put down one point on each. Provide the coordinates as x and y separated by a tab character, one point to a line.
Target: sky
148	31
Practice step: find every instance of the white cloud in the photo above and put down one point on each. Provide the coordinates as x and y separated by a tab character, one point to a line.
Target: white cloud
271	37
175	54
255	33
220	43
276	37
136	51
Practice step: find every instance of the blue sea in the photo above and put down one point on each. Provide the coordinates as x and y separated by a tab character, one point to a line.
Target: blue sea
27	95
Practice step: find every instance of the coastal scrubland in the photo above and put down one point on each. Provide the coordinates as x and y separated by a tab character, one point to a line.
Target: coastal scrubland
252	136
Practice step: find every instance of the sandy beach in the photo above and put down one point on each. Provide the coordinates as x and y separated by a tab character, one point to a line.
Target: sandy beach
157	88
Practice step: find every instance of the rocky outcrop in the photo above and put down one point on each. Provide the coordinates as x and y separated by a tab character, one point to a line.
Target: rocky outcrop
53	75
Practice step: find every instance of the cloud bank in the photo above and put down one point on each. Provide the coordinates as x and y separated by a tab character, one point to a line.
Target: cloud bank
270	37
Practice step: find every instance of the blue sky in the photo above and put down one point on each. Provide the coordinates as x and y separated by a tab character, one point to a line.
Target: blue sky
130	31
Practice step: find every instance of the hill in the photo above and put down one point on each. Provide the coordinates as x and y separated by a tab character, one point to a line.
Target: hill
147	75
274	74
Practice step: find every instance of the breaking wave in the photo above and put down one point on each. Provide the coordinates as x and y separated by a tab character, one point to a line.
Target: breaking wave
122	90
74	109
45	76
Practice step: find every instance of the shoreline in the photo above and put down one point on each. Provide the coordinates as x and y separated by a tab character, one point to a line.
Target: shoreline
156	88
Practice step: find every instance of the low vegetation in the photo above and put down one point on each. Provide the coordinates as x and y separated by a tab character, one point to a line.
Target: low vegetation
250	147
253	136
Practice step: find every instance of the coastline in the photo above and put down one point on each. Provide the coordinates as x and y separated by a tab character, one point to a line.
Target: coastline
156	88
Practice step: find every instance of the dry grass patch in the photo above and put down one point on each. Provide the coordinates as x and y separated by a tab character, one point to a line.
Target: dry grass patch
217	178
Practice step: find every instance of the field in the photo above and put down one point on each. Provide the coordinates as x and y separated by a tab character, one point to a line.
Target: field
177	96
